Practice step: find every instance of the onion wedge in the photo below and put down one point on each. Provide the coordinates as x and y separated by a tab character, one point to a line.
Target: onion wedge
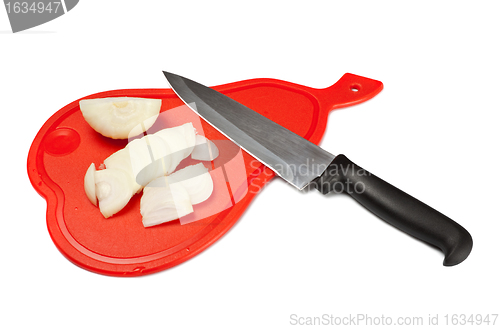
89	184
181	141
148	158
120	117
121	160
196	180
205	149
143	159
162	202
113	188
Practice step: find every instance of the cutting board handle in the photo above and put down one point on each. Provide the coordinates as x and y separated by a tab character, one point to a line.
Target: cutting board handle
349	90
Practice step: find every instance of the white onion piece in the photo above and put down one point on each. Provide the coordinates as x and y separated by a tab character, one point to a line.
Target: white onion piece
120	117
148	158
143	159
177	144
205	149
181	140
190	135
162	202
89	184
196	180
121	160
142	127
113	189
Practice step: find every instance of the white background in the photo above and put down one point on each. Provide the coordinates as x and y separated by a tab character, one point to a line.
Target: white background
433	132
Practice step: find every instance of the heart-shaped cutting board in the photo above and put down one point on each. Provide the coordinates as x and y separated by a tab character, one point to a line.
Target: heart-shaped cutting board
66	145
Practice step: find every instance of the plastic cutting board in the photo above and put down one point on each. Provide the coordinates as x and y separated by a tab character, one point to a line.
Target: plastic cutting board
120	246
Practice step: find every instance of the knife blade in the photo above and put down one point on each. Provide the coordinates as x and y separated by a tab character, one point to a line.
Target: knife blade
304	164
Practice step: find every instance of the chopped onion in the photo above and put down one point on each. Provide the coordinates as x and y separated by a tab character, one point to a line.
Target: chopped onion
143	159
196	180
154	155
181	141
162	202
145	162
89	184
120	117
177	144
190	135
148	158
113	189
121	160
205	149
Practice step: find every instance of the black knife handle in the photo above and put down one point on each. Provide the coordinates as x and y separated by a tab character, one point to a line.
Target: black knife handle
397	208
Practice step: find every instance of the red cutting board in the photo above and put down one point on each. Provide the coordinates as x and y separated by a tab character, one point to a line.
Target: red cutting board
120	246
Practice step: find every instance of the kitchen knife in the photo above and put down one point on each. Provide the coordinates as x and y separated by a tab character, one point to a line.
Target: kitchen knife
304	164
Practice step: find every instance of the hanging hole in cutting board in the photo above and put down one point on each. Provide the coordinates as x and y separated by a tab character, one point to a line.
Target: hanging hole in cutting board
355	87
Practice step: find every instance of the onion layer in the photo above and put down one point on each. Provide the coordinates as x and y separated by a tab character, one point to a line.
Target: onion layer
148	158
181	141
89	184
196	180
143	159
113	189
121	160
162	202
205	149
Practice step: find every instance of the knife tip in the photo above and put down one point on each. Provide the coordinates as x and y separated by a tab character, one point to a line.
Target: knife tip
168	76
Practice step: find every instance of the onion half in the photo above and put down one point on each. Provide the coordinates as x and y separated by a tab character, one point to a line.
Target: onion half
120	117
